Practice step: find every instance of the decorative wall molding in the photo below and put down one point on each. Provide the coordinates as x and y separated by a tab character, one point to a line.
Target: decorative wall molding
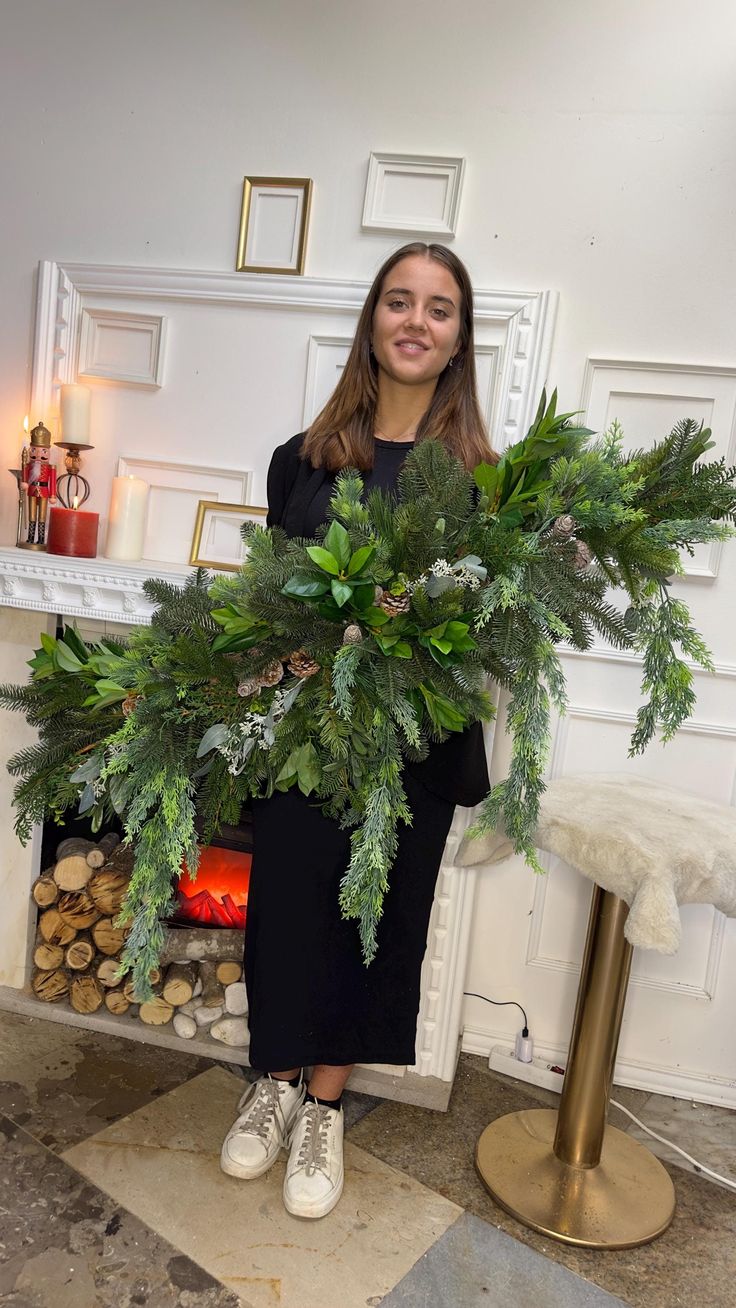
89	588
603	654
525	319
666	392
127	348
413	193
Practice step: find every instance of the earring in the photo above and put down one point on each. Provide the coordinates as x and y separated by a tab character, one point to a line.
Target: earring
452	360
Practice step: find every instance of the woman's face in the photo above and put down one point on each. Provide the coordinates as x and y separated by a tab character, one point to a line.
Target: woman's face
417	321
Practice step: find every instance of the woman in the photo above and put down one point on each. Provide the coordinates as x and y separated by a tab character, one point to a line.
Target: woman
313	1002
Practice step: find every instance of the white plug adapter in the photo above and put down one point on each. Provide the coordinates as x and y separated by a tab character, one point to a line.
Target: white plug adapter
524	1046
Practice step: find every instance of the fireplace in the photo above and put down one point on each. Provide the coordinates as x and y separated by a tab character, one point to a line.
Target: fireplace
198	987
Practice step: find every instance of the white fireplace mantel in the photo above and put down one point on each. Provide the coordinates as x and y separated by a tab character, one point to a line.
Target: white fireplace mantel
89	588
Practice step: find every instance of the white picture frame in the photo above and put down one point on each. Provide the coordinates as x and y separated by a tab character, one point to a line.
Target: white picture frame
274	222
326	358
127	348
217	543
414	193
648	399
175	492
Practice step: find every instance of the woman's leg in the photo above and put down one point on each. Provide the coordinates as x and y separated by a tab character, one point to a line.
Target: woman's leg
328	1081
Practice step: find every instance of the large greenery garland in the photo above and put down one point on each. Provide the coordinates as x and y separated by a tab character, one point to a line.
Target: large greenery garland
326	664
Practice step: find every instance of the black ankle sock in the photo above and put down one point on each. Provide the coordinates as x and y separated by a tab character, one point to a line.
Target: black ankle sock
327	1103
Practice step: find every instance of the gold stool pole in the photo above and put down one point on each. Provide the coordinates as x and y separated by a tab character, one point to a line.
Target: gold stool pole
568	1174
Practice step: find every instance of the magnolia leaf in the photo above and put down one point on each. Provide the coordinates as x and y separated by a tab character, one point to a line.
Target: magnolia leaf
301	586
341	592
324	559
360	558
66	658
337	542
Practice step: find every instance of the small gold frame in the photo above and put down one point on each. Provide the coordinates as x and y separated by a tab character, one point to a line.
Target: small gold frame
252	188
248	512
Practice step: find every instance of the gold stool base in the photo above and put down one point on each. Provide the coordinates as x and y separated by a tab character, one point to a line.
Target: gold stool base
627	1200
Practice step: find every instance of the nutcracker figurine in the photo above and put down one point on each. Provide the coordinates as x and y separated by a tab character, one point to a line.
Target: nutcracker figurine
38	481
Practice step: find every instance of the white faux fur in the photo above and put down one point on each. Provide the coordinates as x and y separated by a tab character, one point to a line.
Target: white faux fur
652	845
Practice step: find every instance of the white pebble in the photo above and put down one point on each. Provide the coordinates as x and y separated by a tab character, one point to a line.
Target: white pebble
230	1031
236	1000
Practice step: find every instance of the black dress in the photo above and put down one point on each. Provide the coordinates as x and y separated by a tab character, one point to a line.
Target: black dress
311	997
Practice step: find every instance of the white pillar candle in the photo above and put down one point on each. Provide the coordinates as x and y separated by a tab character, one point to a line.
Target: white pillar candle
75	402
126	524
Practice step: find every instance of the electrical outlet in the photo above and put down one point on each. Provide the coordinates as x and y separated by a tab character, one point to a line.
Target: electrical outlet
536	1073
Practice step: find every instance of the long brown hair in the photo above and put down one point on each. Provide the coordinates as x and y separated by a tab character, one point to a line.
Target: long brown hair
341	436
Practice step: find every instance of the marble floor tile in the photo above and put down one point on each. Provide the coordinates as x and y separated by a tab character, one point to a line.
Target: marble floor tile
65	1244
162	1163
473	1265
703	1130
63	1083
693	1263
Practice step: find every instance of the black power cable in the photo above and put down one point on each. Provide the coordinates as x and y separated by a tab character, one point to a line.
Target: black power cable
501	1003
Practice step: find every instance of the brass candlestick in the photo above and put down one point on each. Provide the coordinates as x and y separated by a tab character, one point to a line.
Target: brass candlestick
72	485
568	1174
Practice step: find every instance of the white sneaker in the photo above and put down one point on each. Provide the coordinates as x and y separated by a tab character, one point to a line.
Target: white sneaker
258	1134
315	1173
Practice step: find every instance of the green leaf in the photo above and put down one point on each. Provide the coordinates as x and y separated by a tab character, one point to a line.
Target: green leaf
341	592
300	586
66	658
213	736
48	643
363	598
485	477
360	558
324	559
375	617
402	650
337	542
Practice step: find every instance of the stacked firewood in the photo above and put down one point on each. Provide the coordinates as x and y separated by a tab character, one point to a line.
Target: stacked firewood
198	986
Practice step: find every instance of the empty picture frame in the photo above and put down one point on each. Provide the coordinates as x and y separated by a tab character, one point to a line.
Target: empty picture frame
415	193
273	224
122	347
217	542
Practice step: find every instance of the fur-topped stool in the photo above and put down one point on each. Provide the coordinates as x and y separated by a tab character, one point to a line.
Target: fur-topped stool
648	848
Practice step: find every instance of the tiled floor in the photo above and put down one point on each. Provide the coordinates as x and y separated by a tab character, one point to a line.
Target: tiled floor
111	1196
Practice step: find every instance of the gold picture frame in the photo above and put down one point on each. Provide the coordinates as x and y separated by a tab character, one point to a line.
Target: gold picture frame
207	513
268	246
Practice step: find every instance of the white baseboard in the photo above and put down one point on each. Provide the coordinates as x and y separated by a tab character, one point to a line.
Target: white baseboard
680	1083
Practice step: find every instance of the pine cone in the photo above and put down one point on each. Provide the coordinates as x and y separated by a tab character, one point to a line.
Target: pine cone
271	676
564	527
302	664
248	686
129	704
395	604
352	634
378	594
583	556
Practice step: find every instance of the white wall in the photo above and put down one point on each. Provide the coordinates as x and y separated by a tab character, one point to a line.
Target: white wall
598	138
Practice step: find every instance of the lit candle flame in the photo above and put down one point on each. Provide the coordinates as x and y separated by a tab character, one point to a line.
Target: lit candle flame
75	505
25	424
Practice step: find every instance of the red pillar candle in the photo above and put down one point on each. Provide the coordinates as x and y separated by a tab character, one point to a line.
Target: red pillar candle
73	532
